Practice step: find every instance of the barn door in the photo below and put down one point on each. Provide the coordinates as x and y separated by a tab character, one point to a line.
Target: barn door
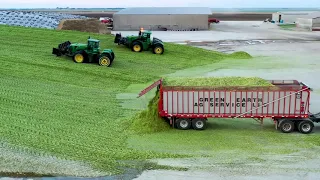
279	17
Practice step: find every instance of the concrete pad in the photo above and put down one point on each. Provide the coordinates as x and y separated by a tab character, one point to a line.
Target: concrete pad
294	56
232	30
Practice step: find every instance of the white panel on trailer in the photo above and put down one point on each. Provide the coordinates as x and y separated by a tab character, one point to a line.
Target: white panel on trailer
234	102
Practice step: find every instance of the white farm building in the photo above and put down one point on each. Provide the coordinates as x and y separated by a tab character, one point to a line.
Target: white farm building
291	17
158	18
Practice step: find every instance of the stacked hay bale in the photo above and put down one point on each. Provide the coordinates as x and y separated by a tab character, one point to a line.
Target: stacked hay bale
149	121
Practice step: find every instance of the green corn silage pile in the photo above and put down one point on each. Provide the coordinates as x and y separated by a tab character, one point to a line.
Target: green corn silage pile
148	120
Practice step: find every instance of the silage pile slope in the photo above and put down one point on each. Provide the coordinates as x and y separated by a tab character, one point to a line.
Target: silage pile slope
148	120
70	110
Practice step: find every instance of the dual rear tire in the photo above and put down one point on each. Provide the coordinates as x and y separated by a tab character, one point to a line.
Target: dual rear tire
303	126
156	49
185	123
105	60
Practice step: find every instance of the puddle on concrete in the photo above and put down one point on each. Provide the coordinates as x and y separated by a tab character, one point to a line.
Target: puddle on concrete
18	161
242	42
300	165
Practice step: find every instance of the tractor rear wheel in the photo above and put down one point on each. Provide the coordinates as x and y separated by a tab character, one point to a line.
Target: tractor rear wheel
112	56
78	57
136	47
104	60
158	49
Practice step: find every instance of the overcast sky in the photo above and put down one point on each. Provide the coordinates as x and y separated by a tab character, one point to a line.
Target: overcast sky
159	3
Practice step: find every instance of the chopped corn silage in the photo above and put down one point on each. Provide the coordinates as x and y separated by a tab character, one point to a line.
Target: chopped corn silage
148	120
216	81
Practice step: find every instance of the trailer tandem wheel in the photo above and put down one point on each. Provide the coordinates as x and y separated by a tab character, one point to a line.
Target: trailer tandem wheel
183	124
199	124
305	126
286	126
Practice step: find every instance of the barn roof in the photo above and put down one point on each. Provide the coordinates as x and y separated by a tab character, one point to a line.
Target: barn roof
298	12
166	10
295	13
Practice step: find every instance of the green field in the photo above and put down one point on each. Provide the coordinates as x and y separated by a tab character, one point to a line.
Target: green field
84	111
71	110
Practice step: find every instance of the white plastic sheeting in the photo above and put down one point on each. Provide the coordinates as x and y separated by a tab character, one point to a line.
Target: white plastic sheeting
46	20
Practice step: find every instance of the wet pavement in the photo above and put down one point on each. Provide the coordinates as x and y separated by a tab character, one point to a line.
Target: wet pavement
279	60
232	30
294	166
296	58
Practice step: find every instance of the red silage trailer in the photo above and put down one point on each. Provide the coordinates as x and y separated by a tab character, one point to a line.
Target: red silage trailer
287	104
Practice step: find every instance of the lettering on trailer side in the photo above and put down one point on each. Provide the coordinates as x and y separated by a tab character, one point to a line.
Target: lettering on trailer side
240	102
233	102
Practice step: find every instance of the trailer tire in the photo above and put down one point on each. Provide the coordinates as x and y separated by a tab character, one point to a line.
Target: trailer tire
183	124
286	126
199	124
305	127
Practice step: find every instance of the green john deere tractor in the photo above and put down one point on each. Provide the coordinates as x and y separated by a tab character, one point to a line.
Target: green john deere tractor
143	42
89	52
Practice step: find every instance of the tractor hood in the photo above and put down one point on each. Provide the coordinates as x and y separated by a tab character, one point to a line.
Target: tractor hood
79	44
77	47
132	37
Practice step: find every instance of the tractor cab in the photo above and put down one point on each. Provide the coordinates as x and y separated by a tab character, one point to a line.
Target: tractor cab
145	35
93	45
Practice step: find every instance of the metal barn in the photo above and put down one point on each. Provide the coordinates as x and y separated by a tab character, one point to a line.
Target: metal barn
160	18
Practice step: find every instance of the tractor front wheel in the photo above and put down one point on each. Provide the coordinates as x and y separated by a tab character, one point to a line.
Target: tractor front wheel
137	47
158	49
78	58
104	61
